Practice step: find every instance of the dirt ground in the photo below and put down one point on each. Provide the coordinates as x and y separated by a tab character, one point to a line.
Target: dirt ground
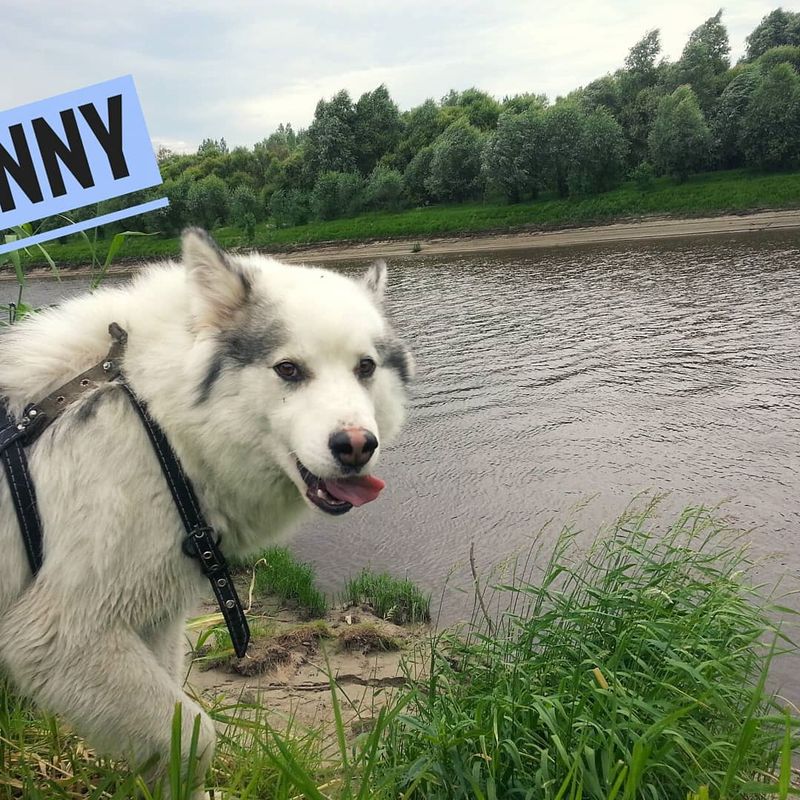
286	670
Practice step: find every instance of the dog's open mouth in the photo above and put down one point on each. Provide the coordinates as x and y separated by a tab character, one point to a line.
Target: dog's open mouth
339	495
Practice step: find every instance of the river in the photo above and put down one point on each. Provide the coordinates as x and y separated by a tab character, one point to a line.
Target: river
549	377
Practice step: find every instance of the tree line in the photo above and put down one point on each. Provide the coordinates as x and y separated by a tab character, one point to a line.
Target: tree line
650	117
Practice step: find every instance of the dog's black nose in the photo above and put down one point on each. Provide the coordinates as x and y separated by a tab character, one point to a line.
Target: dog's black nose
353	447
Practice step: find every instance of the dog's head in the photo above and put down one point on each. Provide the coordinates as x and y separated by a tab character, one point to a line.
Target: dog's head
306	359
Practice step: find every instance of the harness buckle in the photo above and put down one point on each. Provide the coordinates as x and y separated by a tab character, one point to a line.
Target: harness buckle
202	543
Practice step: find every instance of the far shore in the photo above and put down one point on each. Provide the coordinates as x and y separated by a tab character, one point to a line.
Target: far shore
643	230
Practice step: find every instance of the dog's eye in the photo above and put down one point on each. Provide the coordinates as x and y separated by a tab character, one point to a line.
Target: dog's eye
366	367
289	371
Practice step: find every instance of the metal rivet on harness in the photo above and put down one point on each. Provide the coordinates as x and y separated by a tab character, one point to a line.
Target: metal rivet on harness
33	412
208	554
107	365
221	582
230	603
20	427
85	382
60	398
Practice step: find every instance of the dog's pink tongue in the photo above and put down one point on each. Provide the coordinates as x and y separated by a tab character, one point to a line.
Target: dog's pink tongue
357	491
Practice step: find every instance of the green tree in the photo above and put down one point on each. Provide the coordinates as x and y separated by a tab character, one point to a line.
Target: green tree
480	108
600	162
680	141
786	54
337	194
704	61
521	103
173	218
563	125
245	209
416	174
376	128
637	118
207	202
605	93
212	147
771	126
289	207
421	127
640	63
730	113
455	171
513	155
385	190
778	28
330	141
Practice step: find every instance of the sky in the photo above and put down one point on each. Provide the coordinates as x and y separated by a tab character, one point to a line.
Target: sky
237	69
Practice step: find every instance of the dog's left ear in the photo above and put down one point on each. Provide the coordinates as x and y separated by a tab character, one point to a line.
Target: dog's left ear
374	280
219	288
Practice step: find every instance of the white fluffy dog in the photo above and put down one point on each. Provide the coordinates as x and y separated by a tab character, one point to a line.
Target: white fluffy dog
277	387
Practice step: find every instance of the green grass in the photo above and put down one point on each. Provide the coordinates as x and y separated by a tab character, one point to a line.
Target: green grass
278	574
702	195
399	601
635	670
41	759
631	670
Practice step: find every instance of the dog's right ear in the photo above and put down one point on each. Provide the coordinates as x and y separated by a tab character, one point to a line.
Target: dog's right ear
218	288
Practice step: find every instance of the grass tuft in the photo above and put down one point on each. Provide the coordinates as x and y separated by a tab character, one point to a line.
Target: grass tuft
279	574
396	600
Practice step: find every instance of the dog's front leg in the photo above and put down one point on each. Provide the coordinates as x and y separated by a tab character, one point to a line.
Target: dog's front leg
170	646
109	686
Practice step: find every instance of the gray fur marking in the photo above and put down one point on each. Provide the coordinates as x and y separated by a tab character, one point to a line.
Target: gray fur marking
394	355
258	336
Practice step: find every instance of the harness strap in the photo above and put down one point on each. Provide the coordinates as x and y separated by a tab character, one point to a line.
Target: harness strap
23	493
200	542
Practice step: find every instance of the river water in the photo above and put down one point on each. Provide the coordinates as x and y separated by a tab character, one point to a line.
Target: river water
549	377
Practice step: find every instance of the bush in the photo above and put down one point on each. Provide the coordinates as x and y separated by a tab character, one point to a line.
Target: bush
385	190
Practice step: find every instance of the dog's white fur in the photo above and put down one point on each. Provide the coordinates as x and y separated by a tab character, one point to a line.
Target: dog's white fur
98	635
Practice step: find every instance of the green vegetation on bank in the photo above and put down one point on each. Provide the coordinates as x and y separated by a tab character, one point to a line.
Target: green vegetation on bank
733	191
649	118
635	668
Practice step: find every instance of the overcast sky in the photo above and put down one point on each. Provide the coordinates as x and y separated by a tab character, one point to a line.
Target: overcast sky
236	69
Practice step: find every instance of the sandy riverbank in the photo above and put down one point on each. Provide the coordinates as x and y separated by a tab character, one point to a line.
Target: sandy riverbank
642	230
617	232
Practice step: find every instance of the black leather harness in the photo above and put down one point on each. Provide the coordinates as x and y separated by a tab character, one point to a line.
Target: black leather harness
201	541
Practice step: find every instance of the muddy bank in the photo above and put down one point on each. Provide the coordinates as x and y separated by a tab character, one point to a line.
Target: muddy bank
289	663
